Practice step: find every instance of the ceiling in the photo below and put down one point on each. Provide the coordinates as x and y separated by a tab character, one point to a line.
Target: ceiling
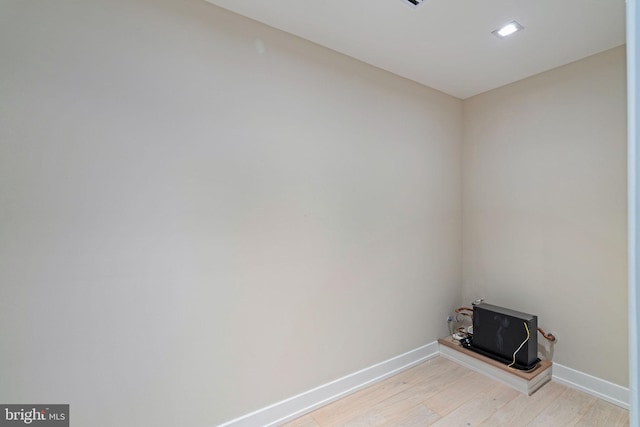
447	44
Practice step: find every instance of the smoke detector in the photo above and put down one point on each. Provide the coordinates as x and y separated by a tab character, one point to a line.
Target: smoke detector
413	3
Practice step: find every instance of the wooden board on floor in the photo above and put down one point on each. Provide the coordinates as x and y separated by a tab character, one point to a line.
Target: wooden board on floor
525	382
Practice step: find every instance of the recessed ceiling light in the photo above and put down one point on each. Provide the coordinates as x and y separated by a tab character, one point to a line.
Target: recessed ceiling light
508	29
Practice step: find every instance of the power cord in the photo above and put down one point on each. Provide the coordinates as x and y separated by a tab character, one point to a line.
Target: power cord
523	343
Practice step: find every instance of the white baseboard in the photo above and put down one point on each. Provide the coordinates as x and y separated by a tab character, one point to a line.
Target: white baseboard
594	386
303	403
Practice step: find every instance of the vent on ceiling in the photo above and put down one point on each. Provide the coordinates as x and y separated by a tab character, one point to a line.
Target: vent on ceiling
413	3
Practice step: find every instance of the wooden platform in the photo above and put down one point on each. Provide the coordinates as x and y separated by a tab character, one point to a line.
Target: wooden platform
524	382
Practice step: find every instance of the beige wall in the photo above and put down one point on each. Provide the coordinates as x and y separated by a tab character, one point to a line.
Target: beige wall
202	216
544	175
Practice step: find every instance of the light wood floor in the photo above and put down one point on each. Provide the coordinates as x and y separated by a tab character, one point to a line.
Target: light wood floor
442	393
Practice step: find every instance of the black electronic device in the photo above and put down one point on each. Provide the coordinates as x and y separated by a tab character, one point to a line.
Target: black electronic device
505	335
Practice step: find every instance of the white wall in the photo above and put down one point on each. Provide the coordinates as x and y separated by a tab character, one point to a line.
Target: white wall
544	184
202	216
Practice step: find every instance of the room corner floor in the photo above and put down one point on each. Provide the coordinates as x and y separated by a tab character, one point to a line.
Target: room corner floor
440	392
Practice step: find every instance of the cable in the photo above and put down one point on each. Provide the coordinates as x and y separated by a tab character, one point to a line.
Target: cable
549	337
523	343
461	310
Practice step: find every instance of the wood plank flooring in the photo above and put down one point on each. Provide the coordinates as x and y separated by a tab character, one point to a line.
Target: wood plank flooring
441	393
